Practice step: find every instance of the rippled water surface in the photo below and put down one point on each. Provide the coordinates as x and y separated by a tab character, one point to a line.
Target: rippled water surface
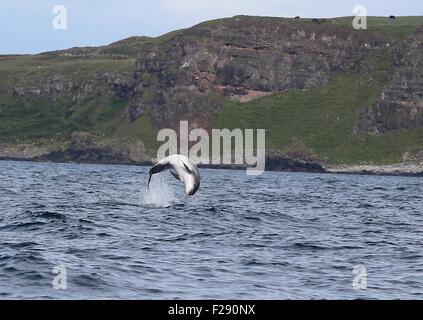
276	236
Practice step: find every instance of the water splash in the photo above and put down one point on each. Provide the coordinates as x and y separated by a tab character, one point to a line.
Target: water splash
160	194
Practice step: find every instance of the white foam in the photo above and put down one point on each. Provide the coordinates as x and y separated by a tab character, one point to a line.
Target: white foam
160	194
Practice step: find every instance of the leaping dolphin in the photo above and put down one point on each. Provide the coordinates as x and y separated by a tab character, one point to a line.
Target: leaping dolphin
182	168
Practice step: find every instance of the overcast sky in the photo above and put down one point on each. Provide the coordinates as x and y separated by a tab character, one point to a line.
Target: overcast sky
26	25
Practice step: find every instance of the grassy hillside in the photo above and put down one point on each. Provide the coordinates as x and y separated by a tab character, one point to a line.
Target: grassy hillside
401	27
51	123
323	118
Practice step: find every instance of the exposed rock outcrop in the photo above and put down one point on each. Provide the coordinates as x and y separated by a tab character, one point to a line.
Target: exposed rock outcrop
401	103
242	58
52	87
124	92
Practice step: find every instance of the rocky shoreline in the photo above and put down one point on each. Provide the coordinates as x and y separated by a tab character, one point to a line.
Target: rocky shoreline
272	164
89	153
400	169
106	104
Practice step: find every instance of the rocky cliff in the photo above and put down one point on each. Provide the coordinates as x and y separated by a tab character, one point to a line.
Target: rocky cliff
401	102
346	96
243	58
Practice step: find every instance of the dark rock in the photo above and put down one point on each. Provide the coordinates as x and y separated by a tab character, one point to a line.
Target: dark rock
274	163
95	155
401	103
239	55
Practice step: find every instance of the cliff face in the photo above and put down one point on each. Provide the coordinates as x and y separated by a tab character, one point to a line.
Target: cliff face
243	58
401	102
53	87
343	94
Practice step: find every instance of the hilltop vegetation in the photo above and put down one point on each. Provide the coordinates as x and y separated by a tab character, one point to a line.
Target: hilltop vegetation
299	79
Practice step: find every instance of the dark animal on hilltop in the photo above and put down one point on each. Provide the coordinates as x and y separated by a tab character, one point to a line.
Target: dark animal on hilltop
297	17
318	20
392	18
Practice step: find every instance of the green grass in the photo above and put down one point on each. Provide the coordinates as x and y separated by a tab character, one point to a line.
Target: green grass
324	119
30	121
28	67
401	27
24	120
140	129
379	149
